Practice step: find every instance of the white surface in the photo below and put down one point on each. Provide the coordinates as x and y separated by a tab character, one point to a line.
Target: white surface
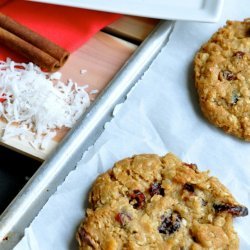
160	115
197	10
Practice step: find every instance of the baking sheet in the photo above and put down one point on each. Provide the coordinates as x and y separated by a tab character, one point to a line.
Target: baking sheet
198	10
160	115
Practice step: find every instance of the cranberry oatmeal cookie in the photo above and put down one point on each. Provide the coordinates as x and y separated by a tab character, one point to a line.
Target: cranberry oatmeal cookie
222	78
151	202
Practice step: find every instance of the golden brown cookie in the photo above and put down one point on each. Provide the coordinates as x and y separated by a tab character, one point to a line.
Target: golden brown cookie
222	78
151	202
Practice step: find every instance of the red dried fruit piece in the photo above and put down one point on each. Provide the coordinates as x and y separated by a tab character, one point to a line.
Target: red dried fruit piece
191	165
139	197
189	187
123	218
156	189
239	54
235	210
2	98
228	75
84	236
170	224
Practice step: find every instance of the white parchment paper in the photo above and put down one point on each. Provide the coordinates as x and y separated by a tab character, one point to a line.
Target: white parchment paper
160	115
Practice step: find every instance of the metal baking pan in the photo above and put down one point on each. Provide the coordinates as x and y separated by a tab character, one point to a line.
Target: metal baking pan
27	204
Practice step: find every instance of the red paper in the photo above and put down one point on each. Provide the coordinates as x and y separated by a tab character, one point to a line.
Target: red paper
66	26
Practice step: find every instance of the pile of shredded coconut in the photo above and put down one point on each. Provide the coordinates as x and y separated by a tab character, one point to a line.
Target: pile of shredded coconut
34	103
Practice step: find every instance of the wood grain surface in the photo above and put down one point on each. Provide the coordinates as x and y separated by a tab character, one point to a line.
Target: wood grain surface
133	28
101	57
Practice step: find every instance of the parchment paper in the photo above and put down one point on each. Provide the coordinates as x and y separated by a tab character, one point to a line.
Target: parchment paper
160	115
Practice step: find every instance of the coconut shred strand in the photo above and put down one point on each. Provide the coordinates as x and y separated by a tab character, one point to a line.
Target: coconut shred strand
34	104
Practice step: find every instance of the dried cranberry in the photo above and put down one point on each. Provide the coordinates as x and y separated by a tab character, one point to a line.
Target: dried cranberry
189	187
85	237
239	54
123	218
155	188
3	98
170	224
191	165
232	209
139	199
228	75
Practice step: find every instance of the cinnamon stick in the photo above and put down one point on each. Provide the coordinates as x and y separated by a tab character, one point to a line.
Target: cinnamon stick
31	45
29	51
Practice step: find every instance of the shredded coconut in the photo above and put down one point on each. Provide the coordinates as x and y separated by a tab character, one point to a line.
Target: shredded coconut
56	76
34	103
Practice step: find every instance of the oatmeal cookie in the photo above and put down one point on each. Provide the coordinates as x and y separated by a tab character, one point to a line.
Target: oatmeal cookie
151	202
222	78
